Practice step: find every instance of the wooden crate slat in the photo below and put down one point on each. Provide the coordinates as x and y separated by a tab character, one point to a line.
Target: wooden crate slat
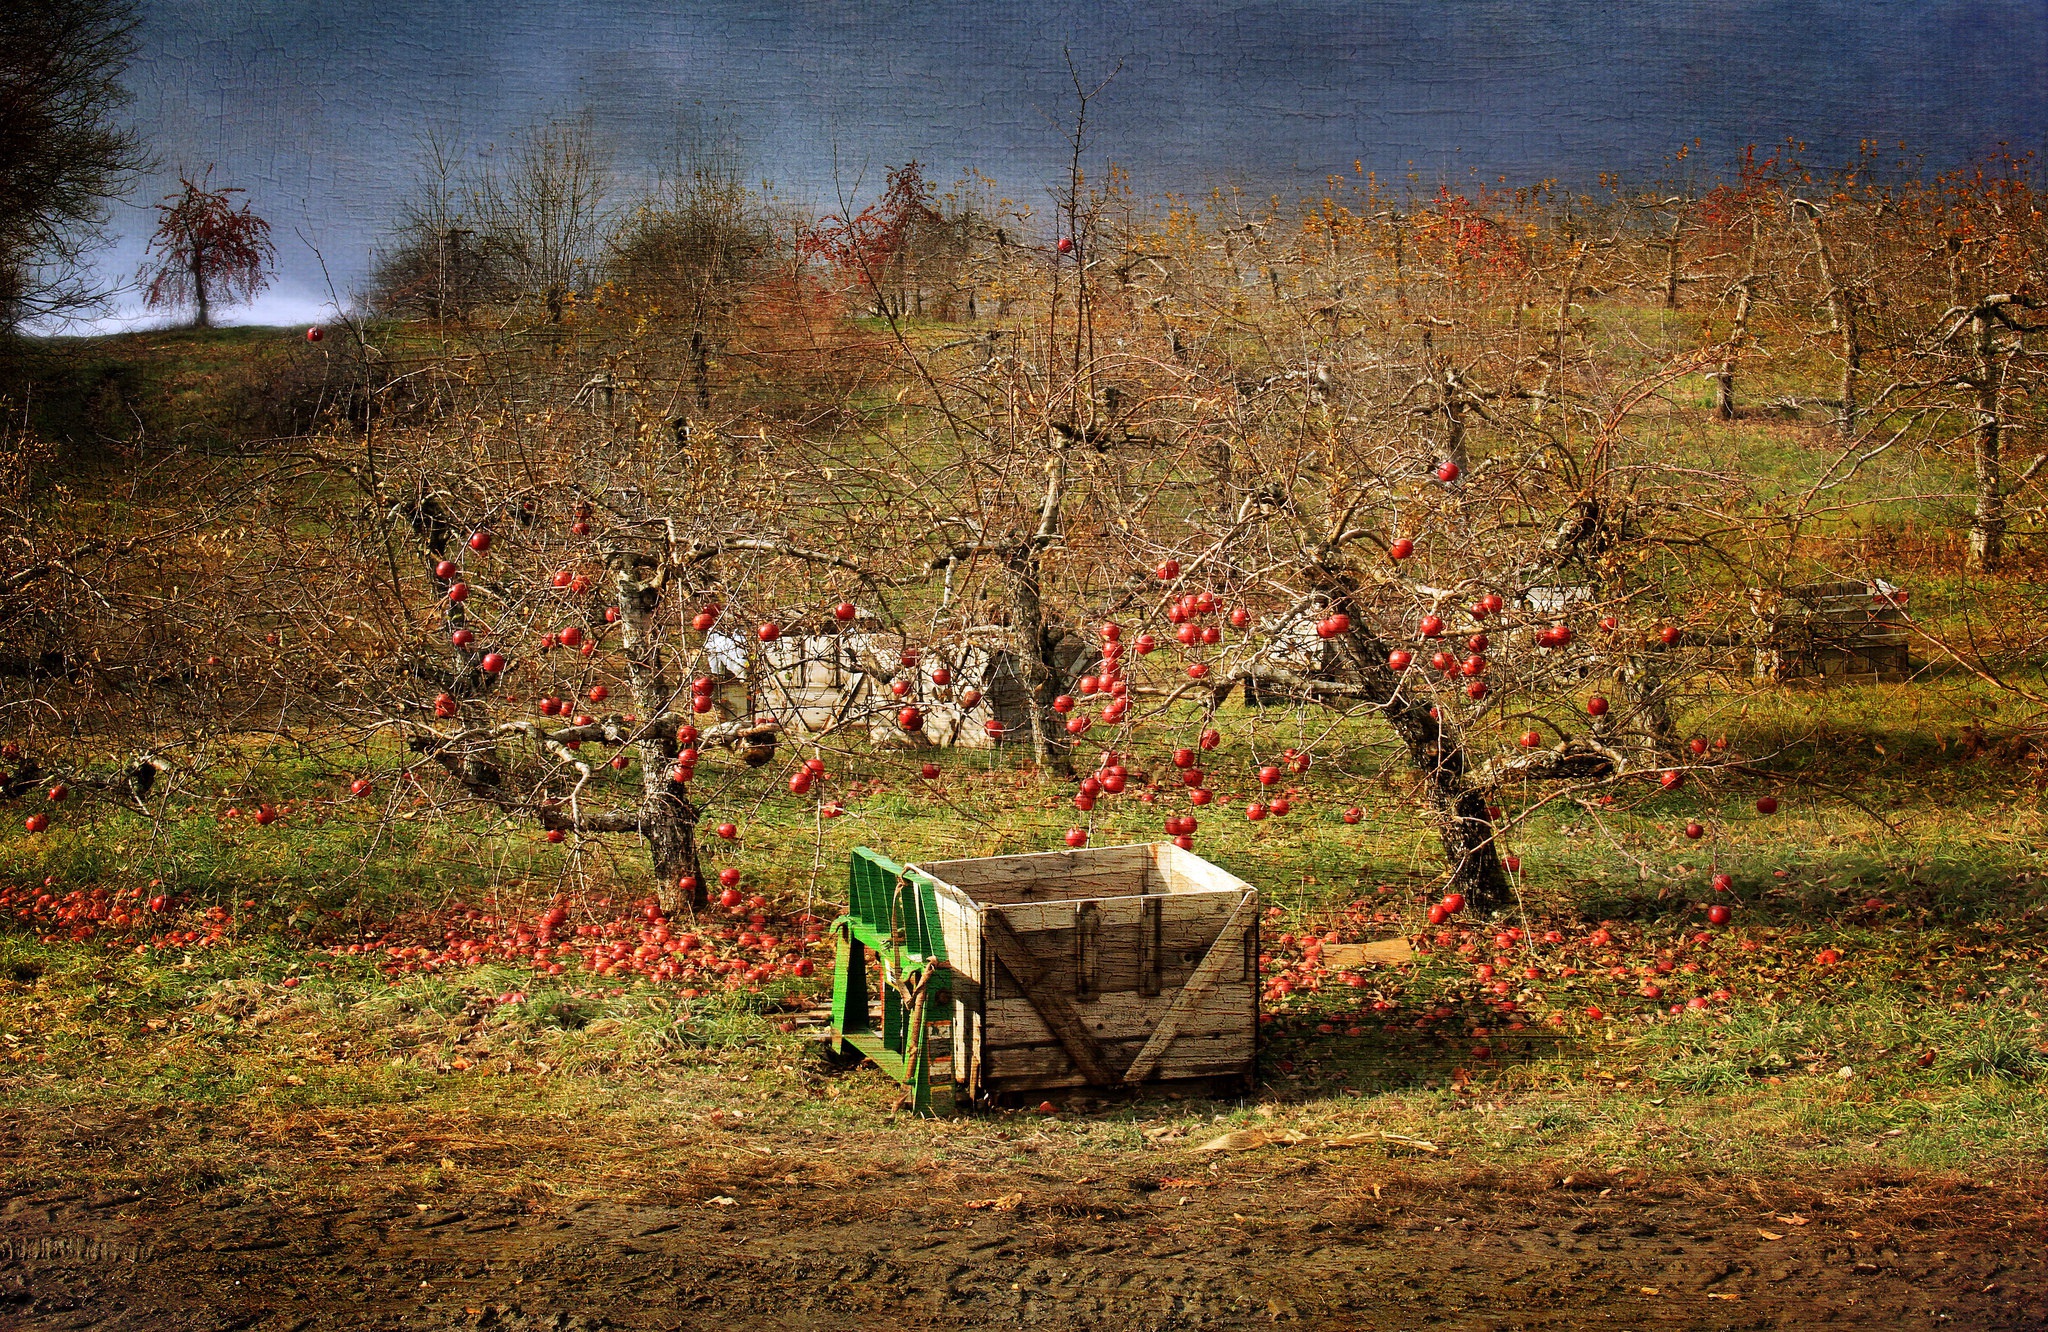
960	925
1048	1066
1185	872
1028	917
1118	1017
1117	870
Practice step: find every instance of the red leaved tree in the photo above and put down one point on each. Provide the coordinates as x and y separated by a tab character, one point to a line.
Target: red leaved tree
205	250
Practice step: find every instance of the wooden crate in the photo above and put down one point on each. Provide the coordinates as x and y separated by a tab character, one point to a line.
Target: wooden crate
1843	631
1100	967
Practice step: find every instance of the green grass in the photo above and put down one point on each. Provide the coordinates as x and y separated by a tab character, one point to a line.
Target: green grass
1950	965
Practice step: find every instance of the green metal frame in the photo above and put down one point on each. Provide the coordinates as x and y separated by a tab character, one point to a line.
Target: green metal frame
893	911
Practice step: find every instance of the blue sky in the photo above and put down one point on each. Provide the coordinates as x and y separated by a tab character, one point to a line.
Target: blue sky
314	107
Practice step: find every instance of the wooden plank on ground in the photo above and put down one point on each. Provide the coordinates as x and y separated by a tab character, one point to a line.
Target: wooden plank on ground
1357	955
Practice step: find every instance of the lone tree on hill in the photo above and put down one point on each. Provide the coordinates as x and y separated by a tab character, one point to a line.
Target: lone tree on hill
205	250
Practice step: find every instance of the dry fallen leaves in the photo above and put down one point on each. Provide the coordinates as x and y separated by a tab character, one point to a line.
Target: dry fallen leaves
1245	1140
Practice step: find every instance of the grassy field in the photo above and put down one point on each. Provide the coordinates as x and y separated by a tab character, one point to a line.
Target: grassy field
327	1006
1923	1044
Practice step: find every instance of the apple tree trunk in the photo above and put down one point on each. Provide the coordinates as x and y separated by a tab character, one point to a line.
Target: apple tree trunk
1037	660
1436	751
668	817
1987	520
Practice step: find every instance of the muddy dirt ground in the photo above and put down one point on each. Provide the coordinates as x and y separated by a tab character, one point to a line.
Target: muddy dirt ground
782	1233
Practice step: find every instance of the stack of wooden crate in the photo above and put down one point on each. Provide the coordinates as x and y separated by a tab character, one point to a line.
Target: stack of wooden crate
1841	631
